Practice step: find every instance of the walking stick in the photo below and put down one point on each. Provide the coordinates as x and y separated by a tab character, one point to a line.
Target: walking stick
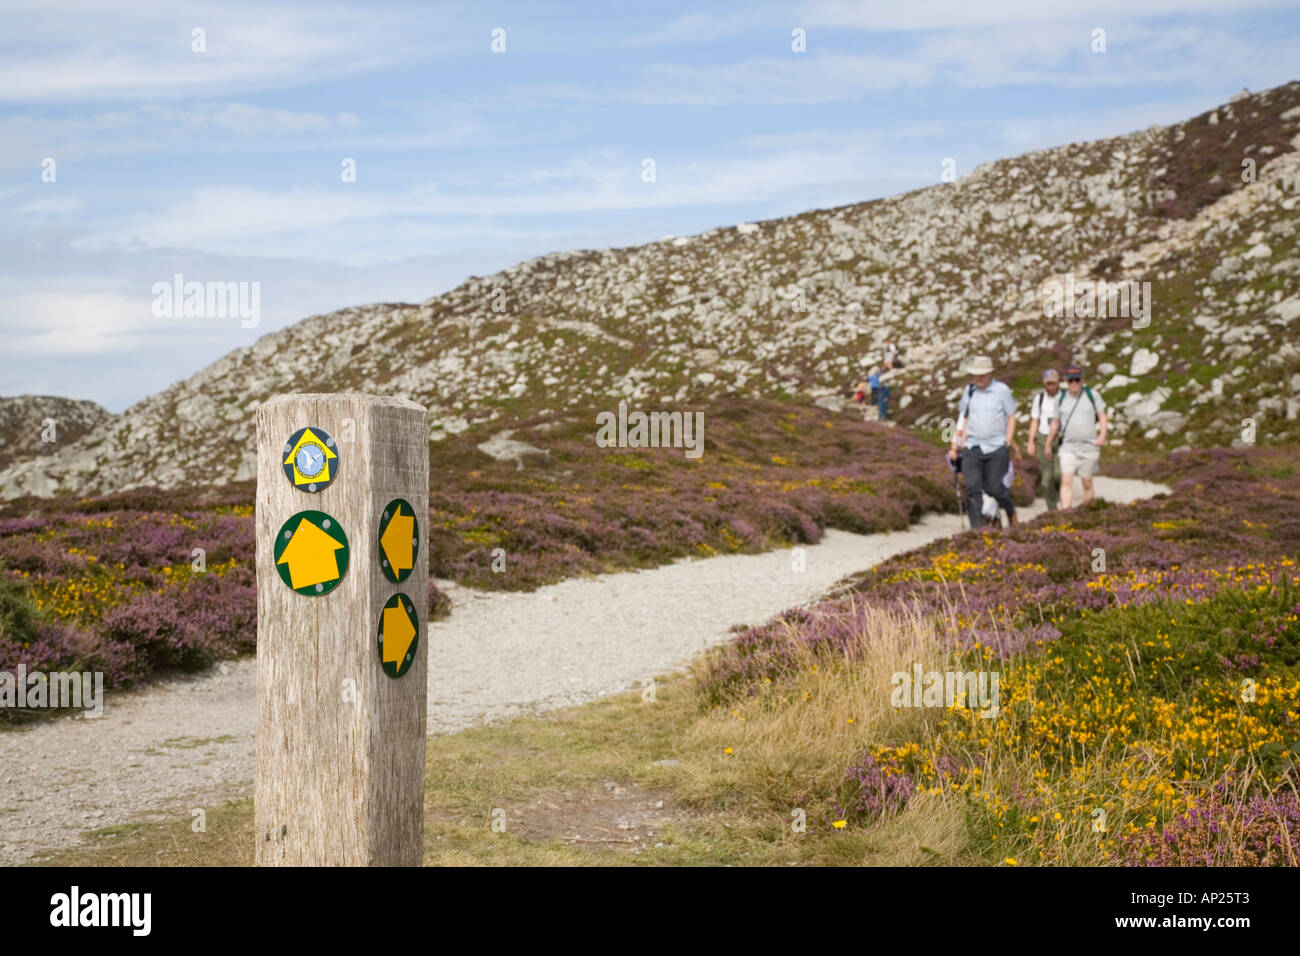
961	507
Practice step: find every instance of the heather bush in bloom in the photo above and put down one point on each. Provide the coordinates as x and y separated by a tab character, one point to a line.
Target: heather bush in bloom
771	475
187	627
877	785
116	576
1229	825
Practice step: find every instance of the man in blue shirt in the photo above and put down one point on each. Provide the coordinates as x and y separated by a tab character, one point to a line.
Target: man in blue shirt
985	440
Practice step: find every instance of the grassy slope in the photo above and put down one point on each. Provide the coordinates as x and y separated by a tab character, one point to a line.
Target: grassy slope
1110	716
583	787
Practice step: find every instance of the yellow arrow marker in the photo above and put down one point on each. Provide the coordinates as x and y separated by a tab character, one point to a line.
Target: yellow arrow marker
310	556
398	542
398	633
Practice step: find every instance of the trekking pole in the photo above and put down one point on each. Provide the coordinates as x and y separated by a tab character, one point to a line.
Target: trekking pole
956	490
961	505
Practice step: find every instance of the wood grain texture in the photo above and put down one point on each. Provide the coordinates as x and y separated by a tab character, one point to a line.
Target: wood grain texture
340	782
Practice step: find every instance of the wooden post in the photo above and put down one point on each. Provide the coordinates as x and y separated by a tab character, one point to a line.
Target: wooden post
340	742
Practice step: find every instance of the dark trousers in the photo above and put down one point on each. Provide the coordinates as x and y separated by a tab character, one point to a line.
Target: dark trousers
1049	481
883	403
984	472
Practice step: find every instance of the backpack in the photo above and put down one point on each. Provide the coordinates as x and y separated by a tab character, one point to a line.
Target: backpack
1060	401
964	405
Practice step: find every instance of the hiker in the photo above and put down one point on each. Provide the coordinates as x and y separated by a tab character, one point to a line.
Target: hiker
860	391
1041	414
985	440
991	508
882	379
1079	431
874	380
891	355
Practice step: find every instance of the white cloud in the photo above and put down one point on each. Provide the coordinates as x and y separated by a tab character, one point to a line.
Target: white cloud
695	28
843	138
348	226
70	323
71	50
927	15
26	140
1040	52
51	205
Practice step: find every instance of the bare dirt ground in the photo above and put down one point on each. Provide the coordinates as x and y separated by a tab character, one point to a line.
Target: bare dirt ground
186	743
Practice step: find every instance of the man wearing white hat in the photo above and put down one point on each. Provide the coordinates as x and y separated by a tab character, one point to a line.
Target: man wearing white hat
985	440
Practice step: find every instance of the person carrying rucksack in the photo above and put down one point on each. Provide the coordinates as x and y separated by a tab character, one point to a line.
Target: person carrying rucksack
1079	431
1041	414
985	440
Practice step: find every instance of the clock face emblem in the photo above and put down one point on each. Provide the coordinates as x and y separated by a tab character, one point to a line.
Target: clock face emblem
311	459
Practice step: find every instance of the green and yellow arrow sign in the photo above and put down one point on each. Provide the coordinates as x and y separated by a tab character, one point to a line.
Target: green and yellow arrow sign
311	553
399	540
399	635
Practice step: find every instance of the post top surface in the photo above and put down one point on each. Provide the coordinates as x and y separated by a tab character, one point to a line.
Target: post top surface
378	401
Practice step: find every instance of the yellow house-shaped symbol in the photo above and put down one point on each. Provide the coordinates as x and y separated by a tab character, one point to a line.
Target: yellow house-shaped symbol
310	556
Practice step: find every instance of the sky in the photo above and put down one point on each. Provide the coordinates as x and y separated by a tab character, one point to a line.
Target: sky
216	141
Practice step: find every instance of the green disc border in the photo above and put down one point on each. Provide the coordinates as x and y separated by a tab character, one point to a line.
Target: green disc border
389	574
343	555
398	670
331	465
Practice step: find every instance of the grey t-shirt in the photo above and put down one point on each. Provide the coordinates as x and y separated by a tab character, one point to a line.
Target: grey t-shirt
1078	419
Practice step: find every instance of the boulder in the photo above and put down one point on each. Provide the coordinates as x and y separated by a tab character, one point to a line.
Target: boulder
1288	310
1143	408
504	448
1143	361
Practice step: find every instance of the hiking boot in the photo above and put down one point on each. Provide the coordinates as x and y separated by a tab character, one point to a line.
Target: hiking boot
1013	520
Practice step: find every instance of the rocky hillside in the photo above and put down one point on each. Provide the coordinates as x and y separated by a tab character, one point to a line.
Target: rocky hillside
35	426
1205	211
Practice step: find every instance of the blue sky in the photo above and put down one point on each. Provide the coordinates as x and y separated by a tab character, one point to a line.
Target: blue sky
224	165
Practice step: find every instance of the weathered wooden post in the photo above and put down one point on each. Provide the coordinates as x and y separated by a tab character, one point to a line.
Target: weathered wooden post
342	594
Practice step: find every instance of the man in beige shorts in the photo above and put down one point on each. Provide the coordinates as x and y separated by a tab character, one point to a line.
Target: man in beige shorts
1077	434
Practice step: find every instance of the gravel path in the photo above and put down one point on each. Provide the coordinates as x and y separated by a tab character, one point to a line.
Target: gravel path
187	742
